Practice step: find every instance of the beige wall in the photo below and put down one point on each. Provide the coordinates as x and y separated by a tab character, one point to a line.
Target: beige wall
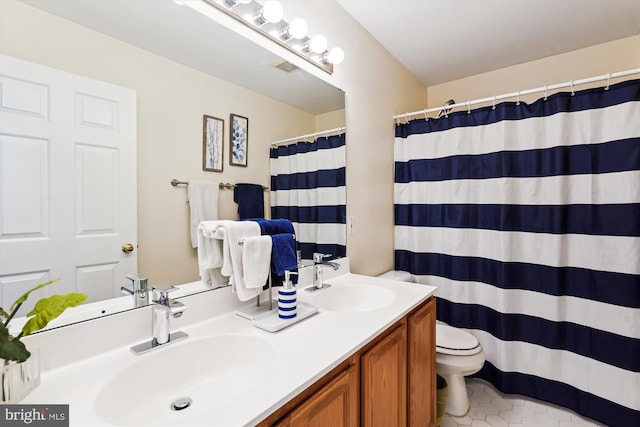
171	102
618	55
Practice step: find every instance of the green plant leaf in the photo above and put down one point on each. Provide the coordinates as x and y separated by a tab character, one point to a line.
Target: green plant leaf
12	348
24	297
3	313
49	308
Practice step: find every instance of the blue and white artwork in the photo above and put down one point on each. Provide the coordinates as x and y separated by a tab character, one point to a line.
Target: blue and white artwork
213	131
239	139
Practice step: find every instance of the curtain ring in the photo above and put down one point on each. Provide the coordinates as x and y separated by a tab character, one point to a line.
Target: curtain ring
608	81
426	118
406	118
494	103
518	99
572	91
398	120
545	92
469	107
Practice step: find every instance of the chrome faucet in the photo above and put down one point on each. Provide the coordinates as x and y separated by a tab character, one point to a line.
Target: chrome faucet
139	289
318	262
164	308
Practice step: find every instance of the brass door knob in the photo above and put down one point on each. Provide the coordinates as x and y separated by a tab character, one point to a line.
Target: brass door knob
127	247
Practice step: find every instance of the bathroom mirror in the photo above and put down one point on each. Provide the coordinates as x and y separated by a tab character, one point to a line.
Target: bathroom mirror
184	36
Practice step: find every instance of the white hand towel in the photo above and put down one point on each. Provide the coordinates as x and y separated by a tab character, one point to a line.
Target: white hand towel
233	232
256	260
210	255
203	205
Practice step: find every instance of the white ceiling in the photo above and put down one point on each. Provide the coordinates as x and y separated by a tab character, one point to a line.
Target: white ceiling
444	40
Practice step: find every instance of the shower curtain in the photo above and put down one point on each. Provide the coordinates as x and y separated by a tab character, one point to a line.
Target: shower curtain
308	188
527	218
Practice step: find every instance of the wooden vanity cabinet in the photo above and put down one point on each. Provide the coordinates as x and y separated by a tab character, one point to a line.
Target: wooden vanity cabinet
398	372
389	382
421	366
334	404
383	370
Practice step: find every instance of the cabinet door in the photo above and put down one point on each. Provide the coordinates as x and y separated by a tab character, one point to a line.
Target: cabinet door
422	366
384	381
335	404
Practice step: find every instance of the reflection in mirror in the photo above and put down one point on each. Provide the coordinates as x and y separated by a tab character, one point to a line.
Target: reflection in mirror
308	188
178	67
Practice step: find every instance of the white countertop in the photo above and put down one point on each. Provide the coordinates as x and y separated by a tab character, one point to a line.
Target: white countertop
298	356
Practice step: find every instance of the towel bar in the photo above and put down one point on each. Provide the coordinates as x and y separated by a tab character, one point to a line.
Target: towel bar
224	186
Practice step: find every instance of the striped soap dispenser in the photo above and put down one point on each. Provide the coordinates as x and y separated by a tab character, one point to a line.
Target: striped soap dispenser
287	298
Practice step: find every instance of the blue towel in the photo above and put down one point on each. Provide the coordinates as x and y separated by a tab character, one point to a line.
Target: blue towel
283	252
269	227
283	257
250	200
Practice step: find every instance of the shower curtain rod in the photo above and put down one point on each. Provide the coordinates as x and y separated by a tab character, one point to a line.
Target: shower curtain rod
309	135
606	77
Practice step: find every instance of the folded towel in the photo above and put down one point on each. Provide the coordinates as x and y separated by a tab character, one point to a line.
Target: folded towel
203	205
283	255
269	227
231	233
210	255
250	200
256	260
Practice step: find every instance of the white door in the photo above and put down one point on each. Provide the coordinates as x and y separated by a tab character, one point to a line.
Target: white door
67	183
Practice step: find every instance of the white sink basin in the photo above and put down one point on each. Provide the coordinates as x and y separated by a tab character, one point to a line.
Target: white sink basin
210	371
354	298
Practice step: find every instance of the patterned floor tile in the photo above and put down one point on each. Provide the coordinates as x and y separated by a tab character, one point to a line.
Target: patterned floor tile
490	408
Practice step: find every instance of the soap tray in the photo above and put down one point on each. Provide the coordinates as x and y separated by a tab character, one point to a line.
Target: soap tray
271	322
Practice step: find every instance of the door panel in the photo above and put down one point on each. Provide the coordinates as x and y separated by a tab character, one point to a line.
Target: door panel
68	181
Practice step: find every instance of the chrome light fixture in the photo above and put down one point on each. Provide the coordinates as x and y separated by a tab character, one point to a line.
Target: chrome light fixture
266	19
231	3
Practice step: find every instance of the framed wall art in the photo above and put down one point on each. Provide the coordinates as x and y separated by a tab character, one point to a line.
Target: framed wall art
212	140
239	140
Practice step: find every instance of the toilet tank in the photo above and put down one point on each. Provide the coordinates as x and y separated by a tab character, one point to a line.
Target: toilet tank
402	276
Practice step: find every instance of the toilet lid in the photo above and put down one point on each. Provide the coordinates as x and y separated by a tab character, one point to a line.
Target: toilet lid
450	340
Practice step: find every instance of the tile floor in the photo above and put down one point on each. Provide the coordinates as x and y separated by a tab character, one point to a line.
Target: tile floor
490	408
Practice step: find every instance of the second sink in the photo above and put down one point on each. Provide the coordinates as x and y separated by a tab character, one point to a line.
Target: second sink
354	298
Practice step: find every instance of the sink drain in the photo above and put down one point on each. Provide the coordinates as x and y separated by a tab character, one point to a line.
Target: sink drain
180	404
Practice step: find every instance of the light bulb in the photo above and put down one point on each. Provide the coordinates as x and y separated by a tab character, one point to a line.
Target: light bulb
335	56
318	44
298	28
272	11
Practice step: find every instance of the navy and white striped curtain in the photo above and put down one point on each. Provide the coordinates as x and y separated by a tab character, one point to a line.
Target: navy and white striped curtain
308	188
527	218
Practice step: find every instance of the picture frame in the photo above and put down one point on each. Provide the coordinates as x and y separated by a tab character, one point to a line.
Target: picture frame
212	143
238	140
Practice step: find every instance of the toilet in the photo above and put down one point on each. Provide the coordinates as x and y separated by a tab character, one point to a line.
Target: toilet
458	354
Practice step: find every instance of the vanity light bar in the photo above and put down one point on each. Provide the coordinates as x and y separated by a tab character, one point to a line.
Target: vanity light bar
266	20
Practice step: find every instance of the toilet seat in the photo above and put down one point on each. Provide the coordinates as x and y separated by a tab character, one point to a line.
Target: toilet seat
456	342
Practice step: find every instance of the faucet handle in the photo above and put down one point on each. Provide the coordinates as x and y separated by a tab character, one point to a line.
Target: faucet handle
138	289
161	293
318	257
140	283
